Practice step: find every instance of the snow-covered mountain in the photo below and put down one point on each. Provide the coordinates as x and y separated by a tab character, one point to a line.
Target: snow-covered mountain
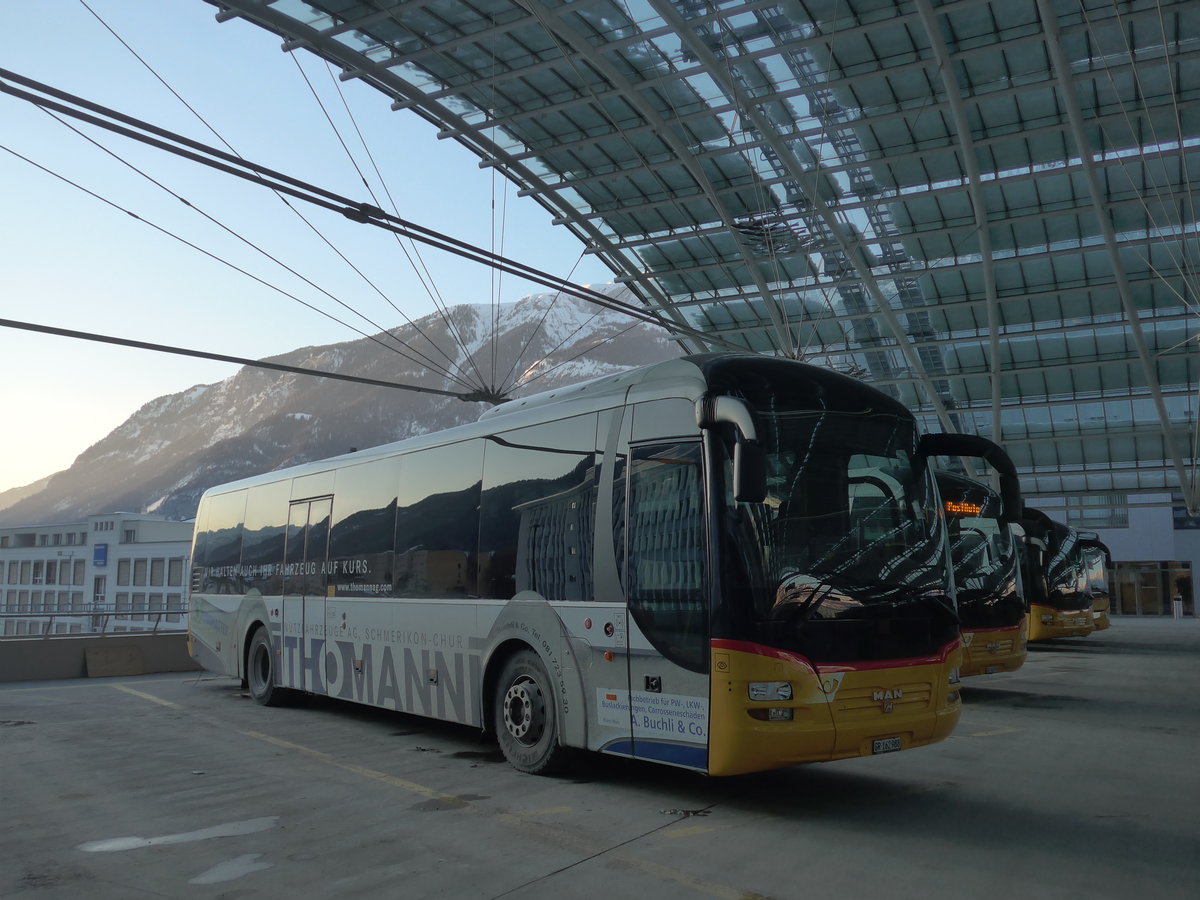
173	448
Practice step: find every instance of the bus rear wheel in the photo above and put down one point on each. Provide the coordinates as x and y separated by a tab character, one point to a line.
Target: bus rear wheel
526	716
260	670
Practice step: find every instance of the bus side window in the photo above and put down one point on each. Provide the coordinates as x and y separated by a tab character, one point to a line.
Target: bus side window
665	563
538	510
437	521
263	534
222	560
362	544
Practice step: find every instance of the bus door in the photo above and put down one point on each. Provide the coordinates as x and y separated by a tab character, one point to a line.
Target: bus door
306	553
665	574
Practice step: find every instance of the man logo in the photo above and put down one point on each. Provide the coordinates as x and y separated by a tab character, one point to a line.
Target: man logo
888	698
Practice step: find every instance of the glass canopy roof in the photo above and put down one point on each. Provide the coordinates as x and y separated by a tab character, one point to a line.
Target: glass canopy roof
984	208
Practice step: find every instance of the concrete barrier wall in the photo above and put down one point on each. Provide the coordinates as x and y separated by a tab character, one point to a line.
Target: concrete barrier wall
93	655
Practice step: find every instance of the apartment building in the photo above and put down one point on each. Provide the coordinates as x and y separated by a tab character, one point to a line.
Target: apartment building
110	572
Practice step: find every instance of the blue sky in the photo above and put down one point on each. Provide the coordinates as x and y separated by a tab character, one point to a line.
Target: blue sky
69	260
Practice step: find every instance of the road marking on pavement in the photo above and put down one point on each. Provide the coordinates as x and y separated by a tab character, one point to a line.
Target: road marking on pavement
548	811
231	869
229	829
374	774
125	689
74	684
1008	729
690	831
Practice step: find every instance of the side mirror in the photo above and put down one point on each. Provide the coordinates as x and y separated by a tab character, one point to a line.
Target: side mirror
981	448
749	472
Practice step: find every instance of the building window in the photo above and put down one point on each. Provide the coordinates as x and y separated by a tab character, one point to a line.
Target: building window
139	572
175	572
1179	513
130	536
3	540
157	566
1093	511
122	572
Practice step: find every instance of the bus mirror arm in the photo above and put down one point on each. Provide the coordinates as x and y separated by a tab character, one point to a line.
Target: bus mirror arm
749	457
980	447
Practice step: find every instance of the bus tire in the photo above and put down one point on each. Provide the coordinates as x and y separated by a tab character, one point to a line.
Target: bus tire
260	670
526	716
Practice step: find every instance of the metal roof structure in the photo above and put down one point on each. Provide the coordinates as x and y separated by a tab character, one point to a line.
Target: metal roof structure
984	207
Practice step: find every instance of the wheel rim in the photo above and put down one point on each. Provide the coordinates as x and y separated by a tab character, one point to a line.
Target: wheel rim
525	710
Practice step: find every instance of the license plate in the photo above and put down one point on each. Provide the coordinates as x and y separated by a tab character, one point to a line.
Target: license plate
885	745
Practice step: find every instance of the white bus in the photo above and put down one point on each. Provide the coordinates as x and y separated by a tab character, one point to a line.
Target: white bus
724	562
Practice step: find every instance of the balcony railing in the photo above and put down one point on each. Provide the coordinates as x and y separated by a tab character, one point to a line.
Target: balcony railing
93	620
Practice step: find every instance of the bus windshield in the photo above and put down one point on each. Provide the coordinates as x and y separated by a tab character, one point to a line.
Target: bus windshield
1065	575
845	559
983	553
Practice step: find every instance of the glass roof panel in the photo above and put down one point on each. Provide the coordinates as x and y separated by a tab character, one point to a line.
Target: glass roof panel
711	152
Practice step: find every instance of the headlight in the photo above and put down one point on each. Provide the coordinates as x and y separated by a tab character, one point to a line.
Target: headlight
770	690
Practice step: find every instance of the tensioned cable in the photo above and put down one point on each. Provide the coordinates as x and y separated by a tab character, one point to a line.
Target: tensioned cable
1159	193
494	282
1184	265
726	37
252	246
1188	271
431	288
445	316
587	349
824	143
424	276
284	200
199	249
538	328
612	74
356	211
497	278
239	360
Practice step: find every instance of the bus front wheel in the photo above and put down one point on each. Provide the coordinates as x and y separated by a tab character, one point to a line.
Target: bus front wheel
526	716
260	670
